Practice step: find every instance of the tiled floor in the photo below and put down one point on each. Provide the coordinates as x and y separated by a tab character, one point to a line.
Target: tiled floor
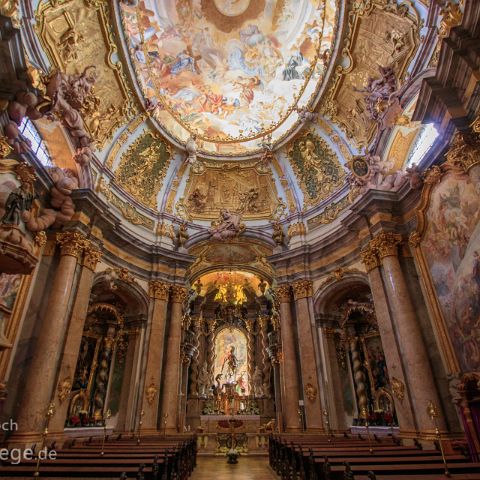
247	468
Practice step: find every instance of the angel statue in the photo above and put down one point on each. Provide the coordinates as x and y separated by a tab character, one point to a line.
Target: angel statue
228	226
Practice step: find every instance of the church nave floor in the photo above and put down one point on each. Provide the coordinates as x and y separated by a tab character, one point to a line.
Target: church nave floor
247	468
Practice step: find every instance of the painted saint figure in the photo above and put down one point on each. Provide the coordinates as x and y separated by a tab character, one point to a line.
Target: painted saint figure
230	361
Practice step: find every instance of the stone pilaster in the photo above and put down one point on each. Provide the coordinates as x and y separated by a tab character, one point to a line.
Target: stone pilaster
303	290
158	292
172	380
288	367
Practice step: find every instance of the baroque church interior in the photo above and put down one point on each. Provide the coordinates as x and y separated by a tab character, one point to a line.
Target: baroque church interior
240	239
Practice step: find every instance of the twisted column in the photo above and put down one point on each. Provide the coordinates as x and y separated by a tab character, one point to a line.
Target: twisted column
212	323
303	290
359	376
250	324
416	362
263	320
197	323
172	381
68	363
101	378
158	292
39	383
289	382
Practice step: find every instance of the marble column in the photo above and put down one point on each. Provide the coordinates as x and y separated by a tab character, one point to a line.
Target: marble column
393	359
68	362
288	367
158	293
39	383
302	291
415	359
274	355
171	382
266	366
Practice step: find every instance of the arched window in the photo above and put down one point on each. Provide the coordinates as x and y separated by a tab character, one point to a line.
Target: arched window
30	132
423	144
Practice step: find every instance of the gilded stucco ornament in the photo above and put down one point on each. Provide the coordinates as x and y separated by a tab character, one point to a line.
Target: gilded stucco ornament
316	167
71	243
369	258
76	35
368	21
330	213
143	167
284	293
91	256
296	229
385	244
302	289
5	148
464	150
398	388
11	9
64	388
310	392
151	392
158	290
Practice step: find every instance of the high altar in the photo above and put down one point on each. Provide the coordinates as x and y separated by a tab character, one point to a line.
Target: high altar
229	354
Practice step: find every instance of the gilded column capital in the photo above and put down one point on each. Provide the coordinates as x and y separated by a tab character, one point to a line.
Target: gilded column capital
91	256
385	244
158	290
284	293
369	258
302	289
71	243
178	293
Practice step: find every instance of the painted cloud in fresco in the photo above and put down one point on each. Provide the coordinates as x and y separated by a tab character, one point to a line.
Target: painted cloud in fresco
228	69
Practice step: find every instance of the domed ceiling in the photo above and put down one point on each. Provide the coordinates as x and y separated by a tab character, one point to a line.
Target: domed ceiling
229	71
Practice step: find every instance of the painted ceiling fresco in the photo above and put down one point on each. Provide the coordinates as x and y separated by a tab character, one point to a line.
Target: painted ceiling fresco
229	71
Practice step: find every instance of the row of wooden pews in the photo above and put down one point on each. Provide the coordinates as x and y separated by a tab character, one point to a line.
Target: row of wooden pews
154	458
309	457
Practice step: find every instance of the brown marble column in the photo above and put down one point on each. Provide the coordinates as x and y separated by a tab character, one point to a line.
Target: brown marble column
415	359
288	367
403	407
302	291
42	373
158	293
171	382
73	339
